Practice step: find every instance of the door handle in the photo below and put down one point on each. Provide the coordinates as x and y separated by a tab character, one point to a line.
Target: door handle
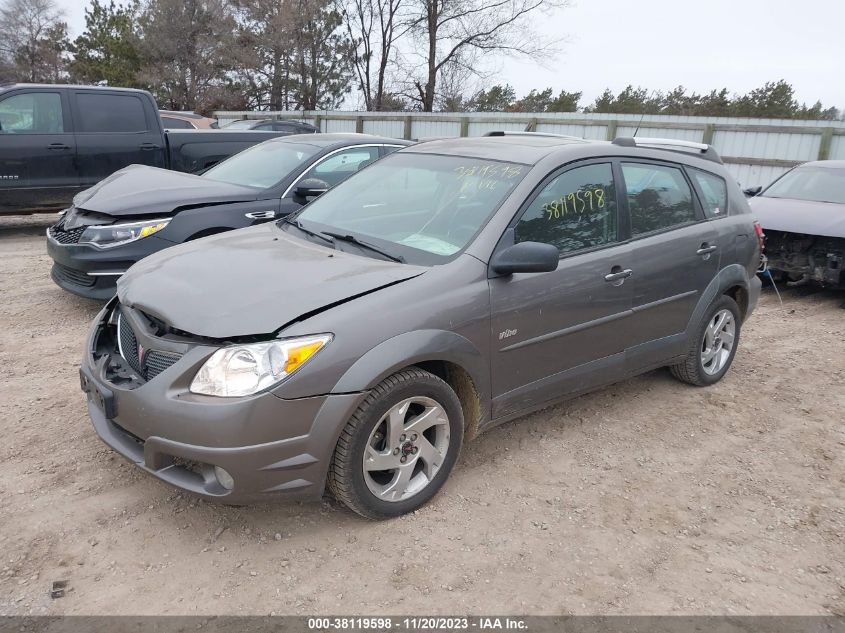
705	249
58	146
618	275
149	146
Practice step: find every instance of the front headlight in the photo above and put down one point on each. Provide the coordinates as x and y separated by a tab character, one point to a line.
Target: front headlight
109	235
242	370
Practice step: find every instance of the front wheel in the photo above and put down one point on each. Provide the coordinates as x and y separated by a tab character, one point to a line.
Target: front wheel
713	346
399	446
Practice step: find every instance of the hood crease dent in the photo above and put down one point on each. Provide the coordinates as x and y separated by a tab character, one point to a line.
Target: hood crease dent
251	282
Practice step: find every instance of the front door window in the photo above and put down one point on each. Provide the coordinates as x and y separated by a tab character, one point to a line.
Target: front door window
575	211
32	113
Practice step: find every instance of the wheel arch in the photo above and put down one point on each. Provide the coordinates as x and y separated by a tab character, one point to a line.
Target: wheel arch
462	383
447	355
739	294
733	281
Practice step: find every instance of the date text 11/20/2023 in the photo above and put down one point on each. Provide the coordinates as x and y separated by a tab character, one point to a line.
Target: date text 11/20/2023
417	623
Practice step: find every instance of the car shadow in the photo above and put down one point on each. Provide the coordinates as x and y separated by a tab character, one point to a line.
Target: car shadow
802	293
17	226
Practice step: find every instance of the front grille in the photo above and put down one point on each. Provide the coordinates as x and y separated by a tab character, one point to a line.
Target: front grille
128	344
66	237
152	362
157	361
71	276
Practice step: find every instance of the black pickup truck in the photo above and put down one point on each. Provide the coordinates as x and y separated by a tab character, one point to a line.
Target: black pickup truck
56	140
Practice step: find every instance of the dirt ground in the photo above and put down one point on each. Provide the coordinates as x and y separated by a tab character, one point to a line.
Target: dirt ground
650	497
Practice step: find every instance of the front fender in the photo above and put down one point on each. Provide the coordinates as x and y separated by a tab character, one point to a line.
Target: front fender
219	217
415	347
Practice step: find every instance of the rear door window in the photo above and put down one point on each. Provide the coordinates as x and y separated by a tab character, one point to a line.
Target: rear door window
110	113
32	113
574	211
659	197
714	191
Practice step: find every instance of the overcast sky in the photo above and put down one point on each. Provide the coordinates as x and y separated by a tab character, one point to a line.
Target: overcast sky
659	44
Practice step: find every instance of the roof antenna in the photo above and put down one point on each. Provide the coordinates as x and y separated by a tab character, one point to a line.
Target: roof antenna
642	116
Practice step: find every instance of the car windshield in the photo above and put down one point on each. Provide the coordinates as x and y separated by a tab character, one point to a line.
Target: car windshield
819	184
424	208
243	124
262	165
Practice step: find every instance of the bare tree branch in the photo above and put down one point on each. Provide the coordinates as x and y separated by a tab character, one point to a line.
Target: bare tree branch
447	29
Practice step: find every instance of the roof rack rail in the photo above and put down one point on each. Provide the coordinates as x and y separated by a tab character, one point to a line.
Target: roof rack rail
707	152
541	134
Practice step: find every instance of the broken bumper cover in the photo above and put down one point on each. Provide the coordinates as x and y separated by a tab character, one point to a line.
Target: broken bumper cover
800	259
269	446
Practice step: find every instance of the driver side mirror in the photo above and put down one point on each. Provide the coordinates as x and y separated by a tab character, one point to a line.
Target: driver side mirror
311	188
752	191
525	257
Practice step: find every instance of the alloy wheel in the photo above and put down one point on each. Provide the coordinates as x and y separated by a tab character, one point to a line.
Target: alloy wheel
406	449
718	341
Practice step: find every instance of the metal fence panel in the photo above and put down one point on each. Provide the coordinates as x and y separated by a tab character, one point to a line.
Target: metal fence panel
390	128
592	132
421	128
338	125
677	134
753	175
837	148
755	151
771	145
479	128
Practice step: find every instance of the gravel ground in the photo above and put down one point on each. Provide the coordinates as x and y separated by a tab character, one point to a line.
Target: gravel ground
650	497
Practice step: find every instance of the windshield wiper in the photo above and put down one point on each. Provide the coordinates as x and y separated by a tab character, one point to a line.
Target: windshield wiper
343	237
322	236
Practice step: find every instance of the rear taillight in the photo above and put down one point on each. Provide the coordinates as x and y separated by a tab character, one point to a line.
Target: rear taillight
761	237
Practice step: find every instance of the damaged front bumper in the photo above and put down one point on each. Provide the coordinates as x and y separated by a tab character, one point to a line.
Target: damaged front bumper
801	259
234	450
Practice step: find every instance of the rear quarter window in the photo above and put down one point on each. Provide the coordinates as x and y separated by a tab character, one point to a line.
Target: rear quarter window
714	192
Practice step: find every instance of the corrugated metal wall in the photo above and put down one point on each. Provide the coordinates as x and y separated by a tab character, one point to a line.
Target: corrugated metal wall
756	151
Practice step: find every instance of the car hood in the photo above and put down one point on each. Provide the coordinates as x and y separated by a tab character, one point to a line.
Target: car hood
800	216
142	190
250	282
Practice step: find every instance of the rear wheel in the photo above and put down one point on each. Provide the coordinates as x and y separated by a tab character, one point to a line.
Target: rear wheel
399	446
713	346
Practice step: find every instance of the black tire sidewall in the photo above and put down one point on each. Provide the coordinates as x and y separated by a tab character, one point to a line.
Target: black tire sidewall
432	388
724	303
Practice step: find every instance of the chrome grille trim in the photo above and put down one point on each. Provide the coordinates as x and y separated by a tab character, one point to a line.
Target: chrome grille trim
154	362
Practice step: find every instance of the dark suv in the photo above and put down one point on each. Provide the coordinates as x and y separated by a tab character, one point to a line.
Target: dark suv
449	287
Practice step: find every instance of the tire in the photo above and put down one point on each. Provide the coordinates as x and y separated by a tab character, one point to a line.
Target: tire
389	426
694	369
